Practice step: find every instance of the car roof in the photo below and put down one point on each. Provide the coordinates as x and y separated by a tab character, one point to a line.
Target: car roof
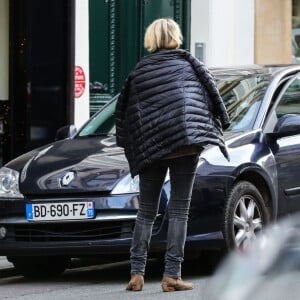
247	70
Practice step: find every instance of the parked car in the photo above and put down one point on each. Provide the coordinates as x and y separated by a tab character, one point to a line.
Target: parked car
75	197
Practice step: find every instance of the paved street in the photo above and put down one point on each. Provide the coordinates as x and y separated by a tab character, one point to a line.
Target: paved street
99	282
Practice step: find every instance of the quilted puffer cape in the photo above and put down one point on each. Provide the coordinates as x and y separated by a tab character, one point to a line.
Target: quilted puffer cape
168	101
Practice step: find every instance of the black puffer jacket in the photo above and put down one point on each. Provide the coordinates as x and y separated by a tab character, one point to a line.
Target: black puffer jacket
168	101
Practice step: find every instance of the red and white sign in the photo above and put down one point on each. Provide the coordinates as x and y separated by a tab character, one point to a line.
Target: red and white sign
79	84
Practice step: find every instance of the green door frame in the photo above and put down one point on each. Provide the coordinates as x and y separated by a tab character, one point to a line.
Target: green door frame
117	29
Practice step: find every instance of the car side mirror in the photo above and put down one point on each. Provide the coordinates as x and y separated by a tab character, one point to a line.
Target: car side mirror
287	125
65	132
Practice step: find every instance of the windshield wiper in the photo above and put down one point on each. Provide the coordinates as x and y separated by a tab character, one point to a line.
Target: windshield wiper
96	134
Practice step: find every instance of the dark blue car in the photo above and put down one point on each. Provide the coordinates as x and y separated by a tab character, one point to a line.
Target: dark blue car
75	197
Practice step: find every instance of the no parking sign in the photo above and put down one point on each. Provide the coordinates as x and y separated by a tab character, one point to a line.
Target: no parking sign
79	83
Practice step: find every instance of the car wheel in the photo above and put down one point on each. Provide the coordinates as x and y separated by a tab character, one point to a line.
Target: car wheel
246	214
40	266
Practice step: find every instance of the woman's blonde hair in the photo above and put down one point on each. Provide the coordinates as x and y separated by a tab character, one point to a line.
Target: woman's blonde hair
162	33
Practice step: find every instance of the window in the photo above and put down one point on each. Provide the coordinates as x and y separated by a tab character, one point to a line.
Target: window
103	123
242	96
289	103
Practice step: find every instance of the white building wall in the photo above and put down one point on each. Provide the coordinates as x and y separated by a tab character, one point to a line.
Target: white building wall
226	27
4	49
81	102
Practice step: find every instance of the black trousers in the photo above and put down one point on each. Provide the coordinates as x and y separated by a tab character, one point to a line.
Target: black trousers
182	175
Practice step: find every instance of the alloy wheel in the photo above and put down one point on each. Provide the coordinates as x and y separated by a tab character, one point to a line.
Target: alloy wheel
247	221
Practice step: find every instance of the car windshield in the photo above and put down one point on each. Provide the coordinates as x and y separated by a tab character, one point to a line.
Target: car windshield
241	94
102	123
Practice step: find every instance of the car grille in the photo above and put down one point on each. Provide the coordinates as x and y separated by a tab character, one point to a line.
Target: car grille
58	232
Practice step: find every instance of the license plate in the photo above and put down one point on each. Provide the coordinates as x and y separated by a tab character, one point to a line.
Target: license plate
59	211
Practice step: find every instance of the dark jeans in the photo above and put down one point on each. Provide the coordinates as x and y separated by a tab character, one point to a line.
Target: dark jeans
182	174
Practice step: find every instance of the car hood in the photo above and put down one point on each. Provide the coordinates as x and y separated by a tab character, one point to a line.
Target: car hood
73	166
80	165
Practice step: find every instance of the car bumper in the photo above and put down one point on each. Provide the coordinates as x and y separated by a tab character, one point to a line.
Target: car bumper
109	232
111	227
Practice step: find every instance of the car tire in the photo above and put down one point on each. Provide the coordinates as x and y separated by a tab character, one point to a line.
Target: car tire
40	266
245	215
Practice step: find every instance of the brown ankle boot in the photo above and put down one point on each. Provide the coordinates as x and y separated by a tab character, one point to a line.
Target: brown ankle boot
175	284
136	283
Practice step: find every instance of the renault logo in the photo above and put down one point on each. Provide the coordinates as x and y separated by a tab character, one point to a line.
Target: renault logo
68	177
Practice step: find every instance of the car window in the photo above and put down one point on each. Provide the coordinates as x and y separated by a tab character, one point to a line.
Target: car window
103	123
242	96
289	102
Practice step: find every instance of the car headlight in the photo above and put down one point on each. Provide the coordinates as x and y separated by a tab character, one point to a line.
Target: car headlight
127	185
9	183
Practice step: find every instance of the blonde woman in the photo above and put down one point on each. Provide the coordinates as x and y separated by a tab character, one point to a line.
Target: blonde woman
168	109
